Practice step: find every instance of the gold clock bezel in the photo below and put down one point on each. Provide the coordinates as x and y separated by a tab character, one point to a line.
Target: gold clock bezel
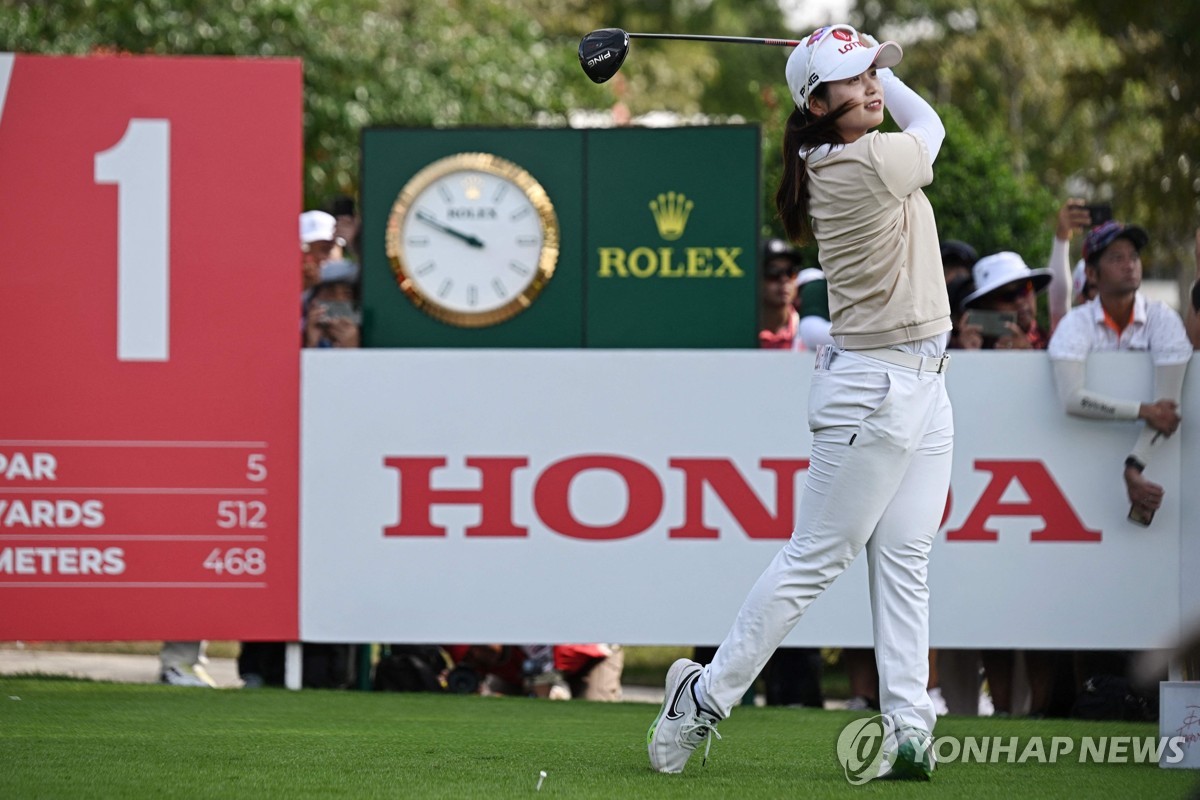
506	170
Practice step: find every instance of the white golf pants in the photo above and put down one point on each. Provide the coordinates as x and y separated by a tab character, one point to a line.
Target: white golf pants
878	477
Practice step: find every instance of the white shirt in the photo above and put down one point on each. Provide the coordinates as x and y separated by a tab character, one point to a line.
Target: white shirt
1155	328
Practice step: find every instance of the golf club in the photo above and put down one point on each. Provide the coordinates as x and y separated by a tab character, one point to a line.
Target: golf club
603	51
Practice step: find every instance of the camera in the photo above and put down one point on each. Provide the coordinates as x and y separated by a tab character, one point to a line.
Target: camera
1100	213
991	323
341	309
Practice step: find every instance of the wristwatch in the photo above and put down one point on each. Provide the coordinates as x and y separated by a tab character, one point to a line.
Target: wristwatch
473	239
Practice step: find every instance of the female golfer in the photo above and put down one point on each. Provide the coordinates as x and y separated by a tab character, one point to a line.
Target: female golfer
878	410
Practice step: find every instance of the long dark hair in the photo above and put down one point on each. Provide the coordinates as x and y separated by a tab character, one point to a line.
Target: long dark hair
804	130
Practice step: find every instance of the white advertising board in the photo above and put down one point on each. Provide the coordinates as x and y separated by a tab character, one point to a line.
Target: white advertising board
634	496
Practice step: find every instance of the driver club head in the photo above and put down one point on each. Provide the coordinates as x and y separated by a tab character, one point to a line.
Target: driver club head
602	52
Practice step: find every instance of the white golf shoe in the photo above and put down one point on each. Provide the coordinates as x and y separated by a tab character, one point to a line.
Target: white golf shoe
682	723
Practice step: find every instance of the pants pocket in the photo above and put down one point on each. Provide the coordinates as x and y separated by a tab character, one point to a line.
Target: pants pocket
845	398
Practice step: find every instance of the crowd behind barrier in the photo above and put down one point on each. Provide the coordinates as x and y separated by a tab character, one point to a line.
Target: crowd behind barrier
997	301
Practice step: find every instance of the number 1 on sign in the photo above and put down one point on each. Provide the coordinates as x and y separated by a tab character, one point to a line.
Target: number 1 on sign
140	166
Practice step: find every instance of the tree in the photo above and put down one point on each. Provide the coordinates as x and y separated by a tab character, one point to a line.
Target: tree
1094	101
1010	214
366	62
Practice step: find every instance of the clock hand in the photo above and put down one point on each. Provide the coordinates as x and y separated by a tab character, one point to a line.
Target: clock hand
466	237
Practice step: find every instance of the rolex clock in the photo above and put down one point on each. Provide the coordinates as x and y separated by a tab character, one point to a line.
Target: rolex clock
473	239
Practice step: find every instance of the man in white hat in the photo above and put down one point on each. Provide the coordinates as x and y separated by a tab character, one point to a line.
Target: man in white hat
1001	313
319	243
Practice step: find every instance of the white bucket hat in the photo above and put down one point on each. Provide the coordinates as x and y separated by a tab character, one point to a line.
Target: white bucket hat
999	270
834	53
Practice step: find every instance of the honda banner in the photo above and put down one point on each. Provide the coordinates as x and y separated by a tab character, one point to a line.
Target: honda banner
636	496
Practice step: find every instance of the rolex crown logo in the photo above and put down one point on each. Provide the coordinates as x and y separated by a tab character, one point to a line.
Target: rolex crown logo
472	187
671	214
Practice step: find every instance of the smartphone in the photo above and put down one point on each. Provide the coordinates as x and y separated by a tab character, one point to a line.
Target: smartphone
1140	515
991	323
335	309
1100	213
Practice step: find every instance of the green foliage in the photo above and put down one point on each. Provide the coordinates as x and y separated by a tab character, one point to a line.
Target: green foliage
1090	98
978	197
1096	98
366	62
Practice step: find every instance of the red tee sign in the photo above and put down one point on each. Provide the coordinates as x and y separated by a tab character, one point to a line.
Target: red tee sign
149	398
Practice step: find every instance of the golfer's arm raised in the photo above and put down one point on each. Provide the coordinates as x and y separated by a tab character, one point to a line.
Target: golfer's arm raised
911	112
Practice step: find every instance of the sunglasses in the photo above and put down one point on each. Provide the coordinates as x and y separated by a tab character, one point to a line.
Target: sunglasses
777	274
1015	293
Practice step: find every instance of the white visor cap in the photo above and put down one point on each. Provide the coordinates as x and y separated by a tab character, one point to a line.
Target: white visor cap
834	53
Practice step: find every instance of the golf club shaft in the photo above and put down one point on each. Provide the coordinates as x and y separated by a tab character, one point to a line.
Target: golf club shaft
701	38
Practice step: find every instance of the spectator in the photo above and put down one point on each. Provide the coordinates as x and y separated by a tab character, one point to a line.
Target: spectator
182	664
958	289
1121	318
958	258
780	323
1004	285
1072	215
319	243
332	317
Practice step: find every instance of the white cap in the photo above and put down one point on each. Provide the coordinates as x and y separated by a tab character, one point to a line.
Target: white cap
999	270
317	226
834	53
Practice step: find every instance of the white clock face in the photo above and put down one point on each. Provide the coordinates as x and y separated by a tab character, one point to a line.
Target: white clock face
472	245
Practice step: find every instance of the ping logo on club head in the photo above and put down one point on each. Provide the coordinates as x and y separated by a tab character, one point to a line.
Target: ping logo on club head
607	54
860	748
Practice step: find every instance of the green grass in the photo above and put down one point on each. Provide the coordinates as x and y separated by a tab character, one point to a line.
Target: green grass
65	738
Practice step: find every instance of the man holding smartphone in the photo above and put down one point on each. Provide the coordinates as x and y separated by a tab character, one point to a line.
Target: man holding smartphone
1001	314
1122	318
331	312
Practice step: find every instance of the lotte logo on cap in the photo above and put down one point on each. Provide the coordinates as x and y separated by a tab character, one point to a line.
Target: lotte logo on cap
841	34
